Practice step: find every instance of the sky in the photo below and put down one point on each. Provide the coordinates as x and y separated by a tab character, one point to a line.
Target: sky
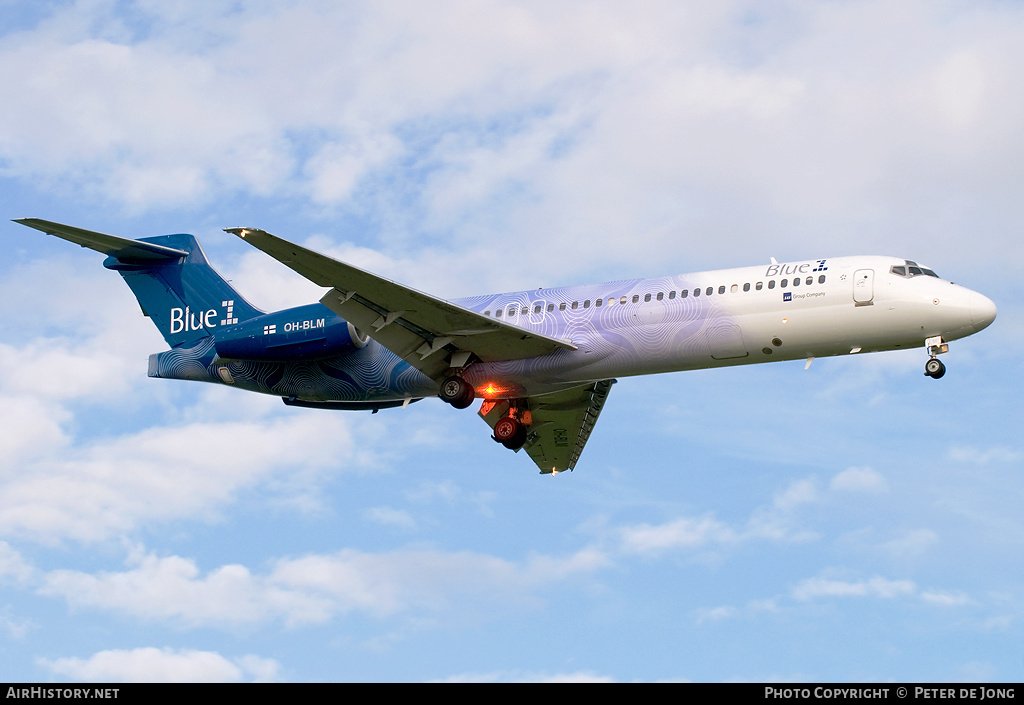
855	521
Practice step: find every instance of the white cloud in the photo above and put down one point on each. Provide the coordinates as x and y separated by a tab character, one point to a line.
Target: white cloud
816	588
152	665
14	627
446	491
317	588
910	543
780	521
716	614
388	516
684	532
32	428
59	369
12	564
984	456
90	493
549	122
775	522
859	480
946	599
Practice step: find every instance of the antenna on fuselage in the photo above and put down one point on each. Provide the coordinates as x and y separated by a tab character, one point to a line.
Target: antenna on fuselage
774	261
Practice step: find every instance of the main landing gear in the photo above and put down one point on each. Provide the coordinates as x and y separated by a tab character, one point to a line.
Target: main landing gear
457	392
934	367
511	430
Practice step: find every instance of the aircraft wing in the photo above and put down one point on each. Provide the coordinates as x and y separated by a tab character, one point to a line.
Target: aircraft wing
119	247
430	334
562	422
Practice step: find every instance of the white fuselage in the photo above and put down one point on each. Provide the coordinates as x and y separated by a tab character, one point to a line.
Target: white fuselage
788	311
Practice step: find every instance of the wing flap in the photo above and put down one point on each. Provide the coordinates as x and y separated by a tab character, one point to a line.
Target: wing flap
425	331
122	248
562	424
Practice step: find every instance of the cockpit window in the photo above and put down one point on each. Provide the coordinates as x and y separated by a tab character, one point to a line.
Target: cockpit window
911	269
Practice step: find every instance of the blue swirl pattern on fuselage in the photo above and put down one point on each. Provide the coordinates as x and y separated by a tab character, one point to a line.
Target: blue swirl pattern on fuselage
371	373
614	339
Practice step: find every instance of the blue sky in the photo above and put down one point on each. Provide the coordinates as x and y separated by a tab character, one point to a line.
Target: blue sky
855	521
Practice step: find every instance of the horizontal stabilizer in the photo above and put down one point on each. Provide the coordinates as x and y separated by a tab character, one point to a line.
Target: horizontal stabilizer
122	248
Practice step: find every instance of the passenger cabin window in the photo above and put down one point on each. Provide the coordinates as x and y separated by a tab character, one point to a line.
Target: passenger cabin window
758	286
721	289
661	295
561	306
671	294
536	309
709	291
636	298
684	293
771	284
821	279
746	287
796	281
551	307
497	314
783	284
696	292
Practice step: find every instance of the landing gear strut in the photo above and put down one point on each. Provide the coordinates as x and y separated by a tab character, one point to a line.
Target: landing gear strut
934	367
457	392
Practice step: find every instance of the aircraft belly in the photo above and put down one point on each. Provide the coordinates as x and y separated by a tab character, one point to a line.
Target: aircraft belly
369	374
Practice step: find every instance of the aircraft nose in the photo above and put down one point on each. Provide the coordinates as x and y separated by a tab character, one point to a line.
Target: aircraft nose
983	311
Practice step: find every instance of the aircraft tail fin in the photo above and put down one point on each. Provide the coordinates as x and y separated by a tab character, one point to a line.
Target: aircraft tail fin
170	276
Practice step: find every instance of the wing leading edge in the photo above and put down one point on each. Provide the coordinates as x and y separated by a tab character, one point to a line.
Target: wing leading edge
431	334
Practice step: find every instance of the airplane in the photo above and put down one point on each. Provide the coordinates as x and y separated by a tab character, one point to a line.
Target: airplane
541	361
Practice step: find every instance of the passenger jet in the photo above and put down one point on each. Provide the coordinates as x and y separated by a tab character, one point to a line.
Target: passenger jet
541	361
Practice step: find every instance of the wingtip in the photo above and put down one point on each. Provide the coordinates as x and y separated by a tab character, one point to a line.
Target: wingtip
242	232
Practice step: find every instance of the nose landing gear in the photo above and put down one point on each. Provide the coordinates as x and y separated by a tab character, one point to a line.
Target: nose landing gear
934	367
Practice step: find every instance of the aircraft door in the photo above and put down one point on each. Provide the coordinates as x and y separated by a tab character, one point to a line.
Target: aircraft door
863	287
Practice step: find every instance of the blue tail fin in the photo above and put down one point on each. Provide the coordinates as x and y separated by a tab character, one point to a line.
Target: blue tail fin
170	277
184	296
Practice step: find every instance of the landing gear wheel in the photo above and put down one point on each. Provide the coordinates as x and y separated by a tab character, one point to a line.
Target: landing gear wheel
510	433
457	392
934	368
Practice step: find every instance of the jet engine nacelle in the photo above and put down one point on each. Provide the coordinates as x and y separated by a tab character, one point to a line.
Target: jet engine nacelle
304	333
